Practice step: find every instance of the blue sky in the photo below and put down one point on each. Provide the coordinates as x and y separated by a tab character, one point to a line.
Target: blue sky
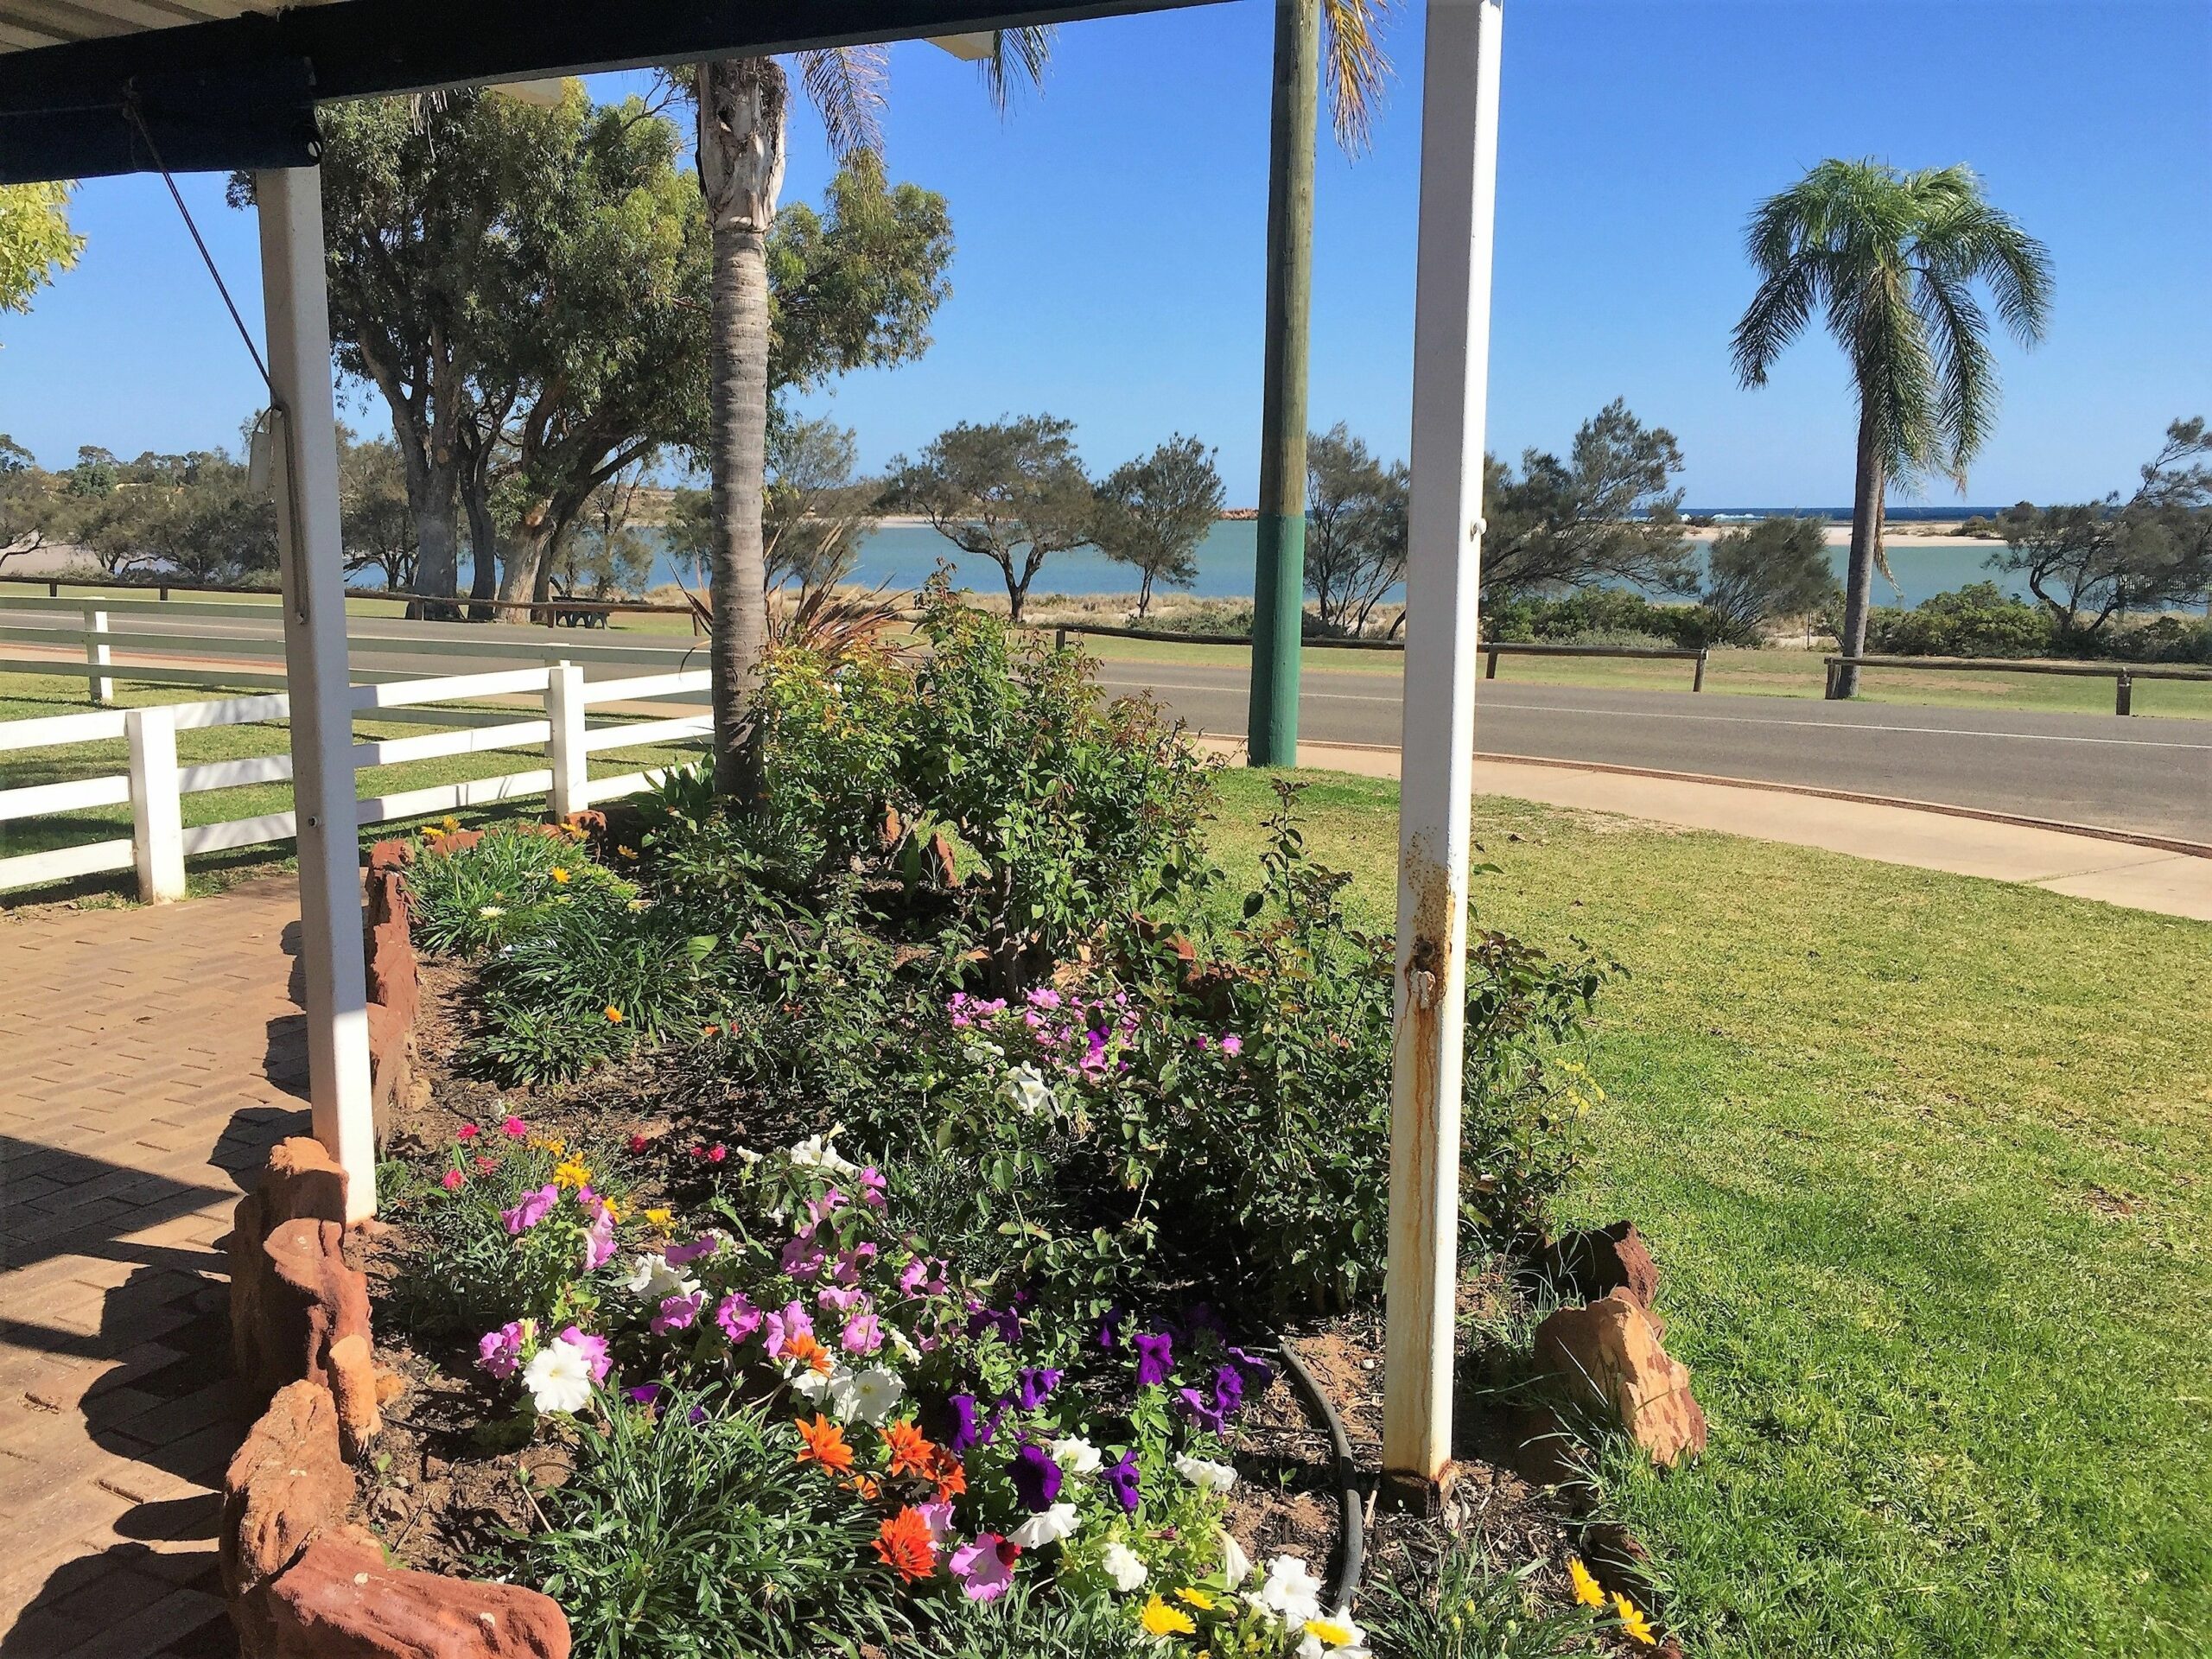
1110	240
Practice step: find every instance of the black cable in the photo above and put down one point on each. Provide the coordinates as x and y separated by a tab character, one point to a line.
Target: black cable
131	110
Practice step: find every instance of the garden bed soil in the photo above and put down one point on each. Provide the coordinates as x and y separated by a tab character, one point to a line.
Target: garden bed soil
450	1479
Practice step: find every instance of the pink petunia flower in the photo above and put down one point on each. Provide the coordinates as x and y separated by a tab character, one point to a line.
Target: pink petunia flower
1232	1045
533	1209
676	1313
737	1317
985	1567
594	1349
863	1334
500	1351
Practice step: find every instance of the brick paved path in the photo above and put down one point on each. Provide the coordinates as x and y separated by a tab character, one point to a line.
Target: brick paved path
148	1059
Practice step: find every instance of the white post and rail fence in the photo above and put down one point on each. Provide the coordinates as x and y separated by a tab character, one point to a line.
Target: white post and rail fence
155	784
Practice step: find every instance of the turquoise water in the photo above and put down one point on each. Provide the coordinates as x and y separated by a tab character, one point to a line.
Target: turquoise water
904	555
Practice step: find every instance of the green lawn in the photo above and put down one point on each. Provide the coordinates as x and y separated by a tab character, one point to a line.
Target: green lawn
25	696
1739	673
1924	1160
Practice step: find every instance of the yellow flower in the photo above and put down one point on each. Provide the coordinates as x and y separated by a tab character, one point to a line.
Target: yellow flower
625	852
1195	1598
613	1210
1332	1632
1634	1625
560	875
451	823
613	1014
1161	1619
1585	1588
662	1219
552	1143
571	1173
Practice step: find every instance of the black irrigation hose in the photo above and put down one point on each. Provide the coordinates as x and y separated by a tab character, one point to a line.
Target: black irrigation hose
1351	1530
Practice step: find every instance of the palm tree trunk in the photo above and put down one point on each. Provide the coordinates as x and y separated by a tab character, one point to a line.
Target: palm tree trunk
1865	547
741	110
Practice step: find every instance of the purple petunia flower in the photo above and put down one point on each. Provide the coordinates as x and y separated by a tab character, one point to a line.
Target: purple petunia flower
1122	1475
1006	1322
1255	1372
1036	1478
1036	1383
646	1394
1110	1328
1206	1413
1155	1358
966	1434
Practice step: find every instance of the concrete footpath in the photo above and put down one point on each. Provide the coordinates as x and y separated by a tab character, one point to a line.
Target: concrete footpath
2162	879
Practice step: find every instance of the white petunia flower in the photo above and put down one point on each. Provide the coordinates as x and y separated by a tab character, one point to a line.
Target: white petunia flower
1235	1564
1076	1455
814	1387
1123	1566
815	1152
875	1391
1291	1593
651	1277
1057	1522
1204	1473
1025	1088
558	1378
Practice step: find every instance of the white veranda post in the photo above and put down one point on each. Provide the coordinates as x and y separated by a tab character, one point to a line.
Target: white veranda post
296	303
1458	172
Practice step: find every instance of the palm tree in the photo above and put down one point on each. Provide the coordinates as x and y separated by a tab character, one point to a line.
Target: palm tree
1892	259
743	106
1356	69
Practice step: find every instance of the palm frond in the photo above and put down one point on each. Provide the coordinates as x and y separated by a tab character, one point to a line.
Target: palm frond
1965	369
1017	56
845	84
1354	67
1777	314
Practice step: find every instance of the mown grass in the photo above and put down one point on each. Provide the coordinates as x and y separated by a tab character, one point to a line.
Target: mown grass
1925	1163
26	697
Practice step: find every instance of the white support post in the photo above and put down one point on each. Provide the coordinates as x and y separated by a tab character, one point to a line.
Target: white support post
564	747
156	808
296	303
1458	174
96	654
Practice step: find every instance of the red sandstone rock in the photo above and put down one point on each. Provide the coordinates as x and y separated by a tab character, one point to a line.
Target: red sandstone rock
301	1181
340	1601
285	1486
292	1297
1596	1262
943	865
392	977
352	1369
1609	1355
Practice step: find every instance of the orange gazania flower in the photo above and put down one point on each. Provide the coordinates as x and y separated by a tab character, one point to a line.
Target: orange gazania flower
824	1443
866	1488
946	1470
613	1014
912	1452
811	1354
903	1544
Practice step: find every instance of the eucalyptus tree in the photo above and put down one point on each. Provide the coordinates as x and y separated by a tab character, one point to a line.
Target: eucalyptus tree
1340	38
1152	513
1010	491
743	106
1356	535
1893	261
35	240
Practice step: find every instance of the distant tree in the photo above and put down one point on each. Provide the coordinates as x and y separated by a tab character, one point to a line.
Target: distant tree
1604	515
2088	564
687	534
1892	259
814	512
35	241
1010	491
191	516
27	501
378	525
1153	512
1355	528
94	474
602	554
1775	568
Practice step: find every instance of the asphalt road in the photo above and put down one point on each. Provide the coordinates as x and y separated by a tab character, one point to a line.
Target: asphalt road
2149	776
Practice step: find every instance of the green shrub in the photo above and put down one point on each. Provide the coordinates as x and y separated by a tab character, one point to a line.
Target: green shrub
1597	615
1976	621
468	900
1461	1606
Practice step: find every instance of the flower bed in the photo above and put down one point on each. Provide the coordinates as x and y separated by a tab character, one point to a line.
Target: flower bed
861	1223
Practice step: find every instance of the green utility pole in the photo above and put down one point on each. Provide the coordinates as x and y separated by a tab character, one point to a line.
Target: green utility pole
1279	583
